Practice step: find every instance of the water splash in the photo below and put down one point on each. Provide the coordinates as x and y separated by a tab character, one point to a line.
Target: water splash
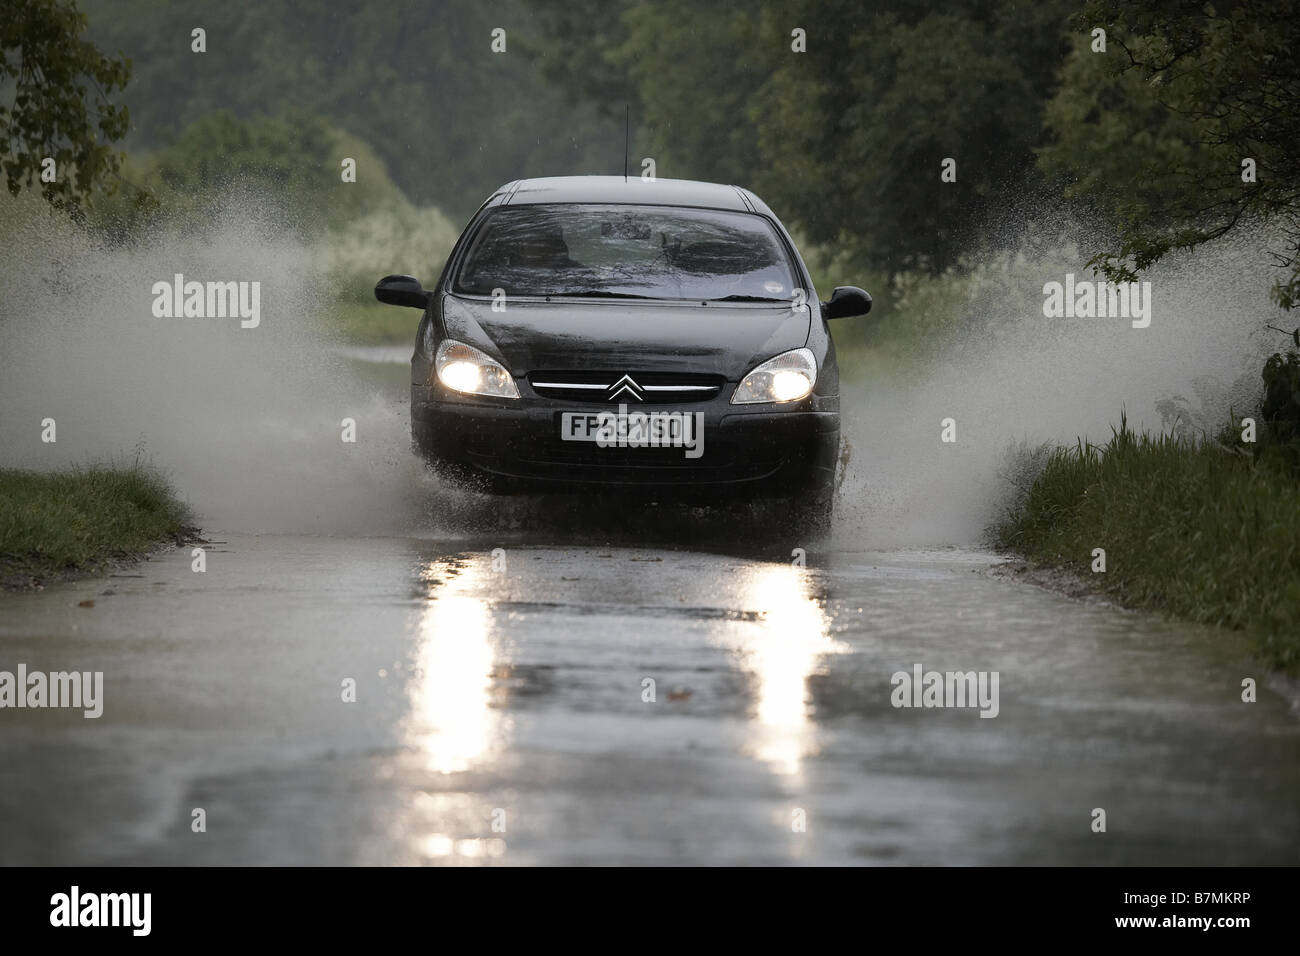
246	421
1008	375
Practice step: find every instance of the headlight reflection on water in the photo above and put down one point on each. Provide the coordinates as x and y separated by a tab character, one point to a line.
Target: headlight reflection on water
781	650
452	721
456	724
452	718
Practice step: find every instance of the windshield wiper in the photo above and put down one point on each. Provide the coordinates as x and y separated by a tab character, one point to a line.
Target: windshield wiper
748	298
597	294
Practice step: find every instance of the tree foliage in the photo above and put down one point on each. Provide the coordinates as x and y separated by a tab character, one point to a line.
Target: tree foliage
292	160
450	119
1186	129
55	90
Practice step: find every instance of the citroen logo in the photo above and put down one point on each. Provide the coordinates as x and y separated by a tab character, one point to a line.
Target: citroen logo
627	385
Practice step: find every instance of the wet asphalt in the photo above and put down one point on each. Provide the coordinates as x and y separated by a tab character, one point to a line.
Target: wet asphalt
507	699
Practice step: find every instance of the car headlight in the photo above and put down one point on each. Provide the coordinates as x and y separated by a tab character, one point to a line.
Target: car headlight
463	368
787	378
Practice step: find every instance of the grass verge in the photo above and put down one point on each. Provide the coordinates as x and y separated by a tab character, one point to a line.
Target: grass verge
79	521
1188	527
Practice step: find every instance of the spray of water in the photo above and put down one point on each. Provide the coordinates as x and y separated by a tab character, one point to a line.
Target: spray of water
1010	376
249	421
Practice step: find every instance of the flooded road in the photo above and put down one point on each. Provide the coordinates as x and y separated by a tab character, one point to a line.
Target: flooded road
621	703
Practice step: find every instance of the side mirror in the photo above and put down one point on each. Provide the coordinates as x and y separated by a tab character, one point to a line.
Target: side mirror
845	301
401	290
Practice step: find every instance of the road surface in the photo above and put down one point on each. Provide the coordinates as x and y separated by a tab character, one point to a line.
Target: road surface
504	712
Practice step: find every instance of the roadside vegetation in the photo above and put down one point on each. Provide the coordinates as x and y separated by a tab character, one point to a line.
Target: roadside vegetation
83	520
1206	528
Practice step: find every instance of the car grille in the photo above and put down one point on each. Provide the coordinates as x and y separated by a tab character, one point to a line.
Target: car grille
651	388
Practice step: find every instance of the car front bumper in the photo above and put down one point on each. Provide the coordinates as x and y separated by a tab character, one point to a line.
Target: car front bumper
752	451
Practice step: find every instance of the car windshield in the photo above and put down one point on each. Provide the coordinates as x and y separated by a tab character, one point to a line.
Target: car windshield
654	252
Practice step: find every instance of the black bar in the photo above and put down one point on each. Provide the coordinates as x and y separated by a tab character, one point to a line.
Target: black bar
438	905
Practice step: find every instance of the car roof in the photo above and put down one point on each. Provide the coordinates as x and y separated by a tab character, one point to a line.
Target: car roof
630	189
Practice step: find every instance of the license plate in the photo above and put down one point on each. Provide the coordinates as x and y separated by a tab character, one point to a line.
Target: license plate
637	429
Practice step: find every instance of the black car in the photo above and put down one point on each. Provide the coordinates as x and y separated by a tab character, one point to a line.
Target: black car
657	338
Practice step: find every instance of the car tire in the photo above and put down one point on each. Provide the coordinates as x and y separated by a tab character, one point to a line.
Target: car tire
813	511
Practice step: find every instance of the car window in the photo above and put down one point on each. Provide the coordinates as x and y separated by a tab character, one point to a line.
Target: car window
655	252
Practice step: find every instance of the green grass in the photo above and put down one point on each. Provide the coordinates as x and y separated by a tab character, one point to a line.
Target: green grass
1193	528
373	323
82	520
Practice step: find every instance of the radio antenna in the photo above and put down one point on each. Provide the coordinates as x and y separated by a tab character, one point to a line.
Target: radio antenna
627	127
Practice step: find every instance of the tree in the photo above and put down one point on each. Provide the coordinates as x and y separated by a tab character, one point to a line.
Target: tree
856	134
1186	129
59	124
